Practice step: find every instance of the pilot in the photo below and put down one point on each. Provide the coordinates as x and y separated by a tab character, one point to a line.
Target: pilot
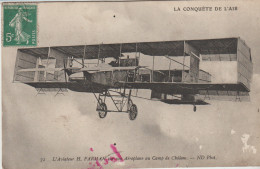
127	62
71	61
113	63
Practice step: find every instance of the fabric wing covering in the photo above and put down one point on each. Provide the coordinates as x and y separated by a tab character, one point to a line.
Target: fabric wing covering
160	48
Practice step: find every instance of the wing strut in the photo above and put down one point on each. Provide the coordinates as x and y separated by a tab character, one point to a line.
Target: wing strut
65	73
84	54
47	64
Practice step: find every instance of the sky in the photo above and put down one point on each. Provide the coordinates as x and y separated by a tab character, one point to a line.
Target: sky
47	126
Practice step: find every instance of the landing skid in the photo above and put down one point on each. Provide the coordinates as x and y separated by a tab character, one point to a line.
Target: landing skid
121	100
40	91
59	91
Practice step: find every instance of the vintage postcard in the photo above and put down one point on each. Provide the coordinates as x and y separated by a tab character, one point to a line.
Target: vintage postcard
148	84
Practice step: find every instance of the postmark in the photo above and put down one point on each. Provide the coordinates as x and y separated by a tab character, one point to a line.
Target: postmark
20	25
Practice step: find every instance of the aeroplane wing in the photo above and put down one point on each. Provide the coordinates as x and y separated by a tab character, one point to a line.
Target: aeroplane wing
40	69
184	88
110	68
93	69
79	87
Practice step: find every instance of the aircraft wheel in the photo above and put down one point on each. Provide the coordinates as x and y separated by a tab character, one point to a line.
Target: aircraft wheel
102	111
132	112
194	108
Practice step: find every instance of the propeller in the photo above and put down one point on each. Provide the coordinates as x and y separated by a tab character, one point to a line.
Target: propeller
66	71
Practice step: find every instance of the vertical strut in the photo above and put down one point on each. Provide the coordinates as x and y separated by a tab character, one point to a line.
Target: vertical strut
84	54
152	70
98	53
120	52
170	71
136	54
183	56
45	72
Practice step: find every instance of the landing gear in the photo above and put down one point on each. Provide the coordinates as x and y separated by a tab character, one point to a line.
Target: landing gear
122	102
132	112
194	108
102	110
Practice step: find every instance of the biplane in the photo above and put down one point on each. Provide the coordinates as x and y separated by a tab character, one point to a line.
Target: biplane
113	71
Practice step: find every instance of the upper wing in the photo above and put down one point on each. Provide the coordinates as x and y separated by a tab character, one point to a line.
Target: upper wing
81	69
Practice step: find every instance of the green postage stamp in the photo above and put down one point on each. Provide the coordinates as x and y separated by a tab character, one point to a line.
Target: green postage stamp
20	25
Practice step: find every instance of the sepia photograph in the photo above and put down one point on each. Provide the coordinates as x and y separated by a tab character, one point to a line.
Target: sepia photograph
130	84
